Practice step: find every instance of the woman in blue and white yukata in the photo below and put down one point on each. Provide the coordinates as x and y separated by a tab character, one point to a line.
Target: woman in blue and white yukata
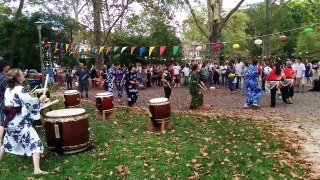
131	85
252	87
20	111
4	68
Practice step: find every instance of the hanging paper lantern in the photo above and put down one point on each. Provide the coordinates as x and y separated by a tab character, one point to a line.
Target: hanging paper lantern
236	46
258	42
282	38
308	30
216	46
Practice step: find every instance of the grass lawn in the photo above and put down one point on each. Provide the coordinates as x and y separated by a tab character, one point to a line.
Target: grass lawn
198	148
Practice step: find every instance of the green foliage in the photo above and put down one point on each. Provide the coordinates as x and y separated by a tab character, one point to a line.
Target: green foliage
57	29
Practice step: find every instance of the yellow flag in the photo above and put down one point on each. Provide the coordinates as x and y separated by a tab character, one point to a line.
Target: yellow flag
101	49
67	46
151	49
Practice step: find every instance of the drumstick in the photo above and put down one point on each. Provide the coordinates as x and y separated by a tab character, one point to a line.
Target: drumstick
49	104
45	85
33	89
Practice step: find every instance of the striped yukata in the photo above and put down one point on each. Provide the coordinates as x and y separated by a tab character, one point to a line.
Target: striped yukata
3	85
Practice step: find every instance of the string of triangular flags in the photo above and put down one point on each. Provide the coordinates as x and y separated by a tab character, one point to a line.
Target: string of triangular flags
63	48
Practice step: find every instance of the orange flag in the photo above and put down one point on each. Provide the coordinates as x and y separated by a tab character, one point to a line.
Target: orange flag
132	50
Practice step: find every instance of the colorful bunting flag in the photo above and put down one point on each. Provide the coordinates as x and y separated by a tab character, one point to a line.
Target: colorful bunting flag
101	49
175	49
162	49
56	47
108	49
67	46
46	45
132	49
94	48
115	48
142	50
151	49
77	47
71	46
61	46
124	48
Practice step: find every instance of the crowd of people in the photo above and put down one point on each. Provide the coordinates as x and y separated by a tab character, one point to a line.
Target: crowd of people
250	76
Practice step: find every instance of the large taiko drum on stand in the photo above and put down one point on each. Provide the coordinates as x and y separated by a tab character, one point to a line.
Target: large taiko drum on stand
104	102
67	130
39	92
160	110
71	98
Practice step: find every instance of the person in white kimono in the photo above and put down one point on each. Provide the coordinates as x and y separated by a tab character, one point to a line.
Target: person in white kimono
20	110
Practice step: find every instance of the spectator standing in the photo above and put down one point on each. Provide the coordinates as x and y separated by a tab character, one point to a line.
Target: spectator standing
93	75
176	72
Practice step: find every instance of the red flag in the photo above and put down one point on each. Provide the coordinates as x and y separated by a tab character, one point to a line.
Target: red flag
46	45
56	46
108	49
132	50
71	47
162	49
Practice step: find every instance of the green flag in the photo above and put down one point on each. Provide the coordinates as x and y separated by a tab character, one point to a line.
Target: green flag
115	48
175	49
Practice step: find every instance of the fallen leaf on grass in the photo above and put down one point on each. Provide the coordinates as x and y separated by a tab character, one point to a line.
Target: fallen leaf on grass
226	160
205	154
194	160
196	166
270	178
68	178
123	170
152	170
57	170
66	161
194	177
210	164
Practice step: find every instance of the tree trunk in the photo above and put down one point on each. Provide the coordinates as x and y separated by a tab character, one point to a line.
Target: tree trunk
266	38
97	4
14	32
215	38
215	29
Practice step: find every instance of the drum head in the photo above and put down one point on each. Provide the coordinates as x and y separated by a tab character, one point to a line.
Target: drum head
71	92
65	112
158	100
106	94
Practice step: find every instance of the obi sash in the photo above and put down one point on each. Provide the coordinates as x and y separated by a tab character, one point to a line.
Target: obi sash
274	84
287	82
10	113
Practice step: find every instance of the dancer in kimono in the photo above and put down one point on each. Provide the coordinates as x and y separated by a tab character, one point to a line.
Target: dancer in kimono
251	85
4	68
195	85
110	78
288	84
20	110
119	76
166	79
274	82
131	85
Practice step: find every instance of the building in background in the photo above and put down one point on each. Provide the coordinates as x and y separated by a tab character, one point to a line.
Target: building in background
193	53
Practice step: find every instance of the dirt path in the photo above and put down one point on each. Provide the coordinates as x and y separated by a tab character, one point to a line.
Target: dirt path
302	117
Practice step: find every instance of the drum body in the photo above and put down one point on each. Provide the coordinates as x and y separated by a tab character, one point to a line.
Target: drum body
160	110
104	102
39	93
71	98
67	130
